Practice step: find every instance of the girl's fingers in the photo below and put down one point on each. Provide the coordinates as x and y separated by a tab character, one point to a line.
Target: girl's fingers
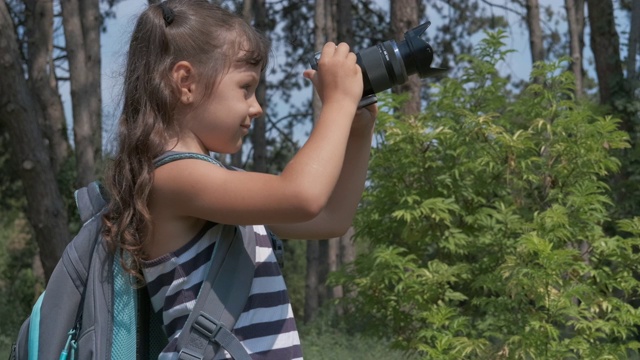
309	74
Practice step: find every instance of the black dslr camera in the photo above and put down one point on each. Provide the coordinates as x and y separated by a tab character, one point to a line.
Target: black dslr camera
390	63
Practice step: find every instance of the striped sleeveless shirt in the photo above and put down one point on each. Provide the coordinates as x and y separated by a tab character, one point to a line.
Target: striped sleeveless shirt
266	327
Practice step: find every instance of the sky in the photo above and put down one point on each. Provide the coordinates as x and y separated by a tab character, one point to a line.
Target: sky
115	40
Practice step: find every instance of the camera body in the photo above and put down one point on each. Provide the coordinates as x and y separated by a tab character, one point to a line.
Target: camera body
390	63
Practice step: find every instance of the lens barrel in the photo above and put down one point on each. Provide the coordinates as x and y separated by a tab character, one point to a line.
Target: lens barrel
382	67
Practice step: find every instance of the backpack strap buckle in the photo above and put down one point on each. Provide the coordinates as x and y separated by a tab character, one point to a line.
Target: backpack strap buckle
211	332
208	326
186	354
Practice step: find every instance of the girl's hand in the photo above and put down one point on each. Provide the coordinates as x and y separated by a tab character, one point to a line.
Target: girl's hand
339	78
365	118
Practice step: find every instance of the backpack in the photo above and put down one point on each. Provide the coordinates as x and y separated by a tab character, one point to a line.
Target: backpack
104	317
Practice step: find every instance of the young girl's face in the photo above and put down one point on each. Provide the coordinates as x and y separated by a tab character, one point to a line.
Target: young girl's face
221	120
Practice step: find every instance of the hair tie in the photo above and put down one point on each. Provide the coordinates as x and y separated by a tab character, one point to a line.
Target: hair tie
167	13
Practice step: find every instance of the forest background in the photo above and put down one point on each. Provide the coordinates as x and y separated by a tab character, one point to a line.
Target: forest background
500	218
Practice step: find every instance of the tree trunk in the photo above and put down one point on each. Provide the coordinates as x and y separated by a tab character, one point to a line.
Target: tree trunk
347	247
247	14
259	132
333	264
347	255
20	115
605	45
575	9
535	31
323	272
320	40
330	20
404	16
91	22
311	304
344	17
83	124
634	38
42	80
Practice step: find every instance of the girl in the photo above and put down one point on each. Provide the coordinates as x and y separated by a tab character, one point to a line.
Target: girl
190	82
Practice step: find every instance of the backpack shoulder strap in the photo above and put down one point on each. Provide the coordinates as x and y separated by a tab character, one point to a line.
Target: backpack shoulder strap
224	291
90	200
171	156
221	301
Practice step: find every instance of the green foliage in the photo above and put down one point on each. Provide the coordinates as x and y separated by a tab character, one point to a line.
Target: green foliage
294	273
486	215
66	179
325	339
19	284
10	186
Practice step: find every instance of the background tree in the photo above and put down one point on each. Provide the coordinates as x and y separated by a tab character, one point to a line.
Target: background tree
405	15
255	12
575	20
634	38
535	31
81	21
259	126
605	44
20	114
615	95
44	84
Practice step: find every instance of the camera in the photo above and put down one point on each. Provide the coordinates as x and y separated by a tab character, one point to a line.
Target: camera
390	63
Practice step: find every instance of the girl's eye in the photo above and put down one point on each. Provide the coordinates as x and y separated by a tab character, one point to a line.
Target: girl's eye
248	89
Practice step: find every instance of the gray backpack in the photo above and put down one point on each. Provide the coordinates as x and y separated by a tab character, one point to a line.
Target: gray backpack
89	310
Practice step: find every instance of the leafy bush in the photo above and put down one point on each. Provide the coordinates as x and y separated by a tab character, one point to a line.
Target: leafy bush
486	214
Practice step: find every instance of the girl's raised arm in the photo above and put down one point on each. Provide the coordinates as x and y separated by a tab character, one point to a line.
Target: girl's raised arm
304	188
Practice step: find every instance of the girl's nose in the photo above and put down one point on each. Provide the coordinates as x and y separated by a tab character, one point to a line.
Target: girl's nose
255	110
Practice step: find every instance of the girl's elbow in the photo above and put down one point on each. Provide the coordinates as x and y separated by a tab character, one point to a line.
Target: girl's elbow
330	231
337	231
311	209
310	204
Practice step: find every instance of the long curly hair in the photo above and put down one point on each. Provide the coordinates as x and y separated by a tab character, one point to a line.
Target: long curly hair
211	39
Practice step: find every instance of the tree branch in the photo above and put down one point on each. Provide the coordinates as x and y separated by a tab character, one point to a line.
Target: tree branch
503	7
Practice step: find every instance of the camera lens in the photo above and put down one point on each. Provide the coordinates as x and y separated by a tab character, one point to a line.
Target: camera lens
382	67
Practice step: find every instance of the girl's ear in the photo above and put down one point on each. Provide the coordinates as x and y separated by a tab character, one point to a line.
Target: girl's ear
184	77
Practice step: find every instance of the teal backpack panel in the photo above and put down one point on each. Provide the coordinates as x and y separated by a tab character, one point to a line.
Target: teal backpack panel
124	309
34	329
